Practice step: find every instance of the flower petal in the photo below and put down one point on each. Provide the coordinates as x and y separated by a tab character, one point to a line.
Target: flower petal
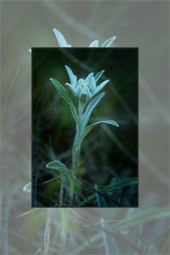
78	91
73	78
101	86
108	42
60	38
74	83
98	75
93	85
94	44
89	77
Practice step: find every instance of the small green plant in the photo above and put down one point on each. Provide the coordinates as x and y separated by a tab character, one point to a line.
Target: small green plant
88	94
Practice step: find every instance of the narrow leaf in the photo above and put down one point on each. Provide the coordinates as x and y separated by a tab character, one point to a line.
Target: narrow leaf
70	74
89	77
94	44
92	104
66	96
27	187
101	86
108	42
57	165
98	75
121	183
89	128
109	242
47	234
93	84
60	38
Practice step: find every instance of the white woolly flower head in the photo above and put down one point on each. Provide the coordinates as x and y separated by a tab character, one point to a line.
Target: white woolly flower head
85	86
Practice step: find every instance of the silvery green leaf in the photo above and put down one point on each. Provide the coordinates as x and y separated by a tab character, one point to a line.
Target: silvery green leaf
101	86
71	75
75	84
93	85
78	91
60	38
94	44
91	105
108	42
57	165
98	75
89	77
27	187
91	126
65	95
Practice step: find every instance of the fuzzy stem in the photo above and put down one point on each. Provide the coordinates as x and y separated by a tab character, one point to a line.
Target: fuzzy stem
75	150
75	161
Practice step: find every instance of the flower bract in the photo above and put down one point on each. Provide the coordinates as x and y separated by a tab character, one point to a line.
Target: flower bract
85	86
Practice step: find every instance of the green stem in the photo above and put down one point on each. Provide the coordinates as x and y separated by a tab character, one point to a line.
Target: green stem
75	150
76	156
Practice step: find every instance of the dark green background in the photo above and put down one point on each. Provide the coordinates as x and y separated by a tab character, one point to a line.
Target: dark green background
107	151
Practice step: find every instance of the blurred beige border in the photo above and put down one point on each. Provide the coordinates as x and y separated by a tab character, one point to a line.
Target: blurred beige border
142	24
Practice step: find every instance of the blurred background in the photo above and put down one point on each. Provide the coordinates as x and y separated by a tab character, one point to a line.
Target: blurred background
26	230
108	153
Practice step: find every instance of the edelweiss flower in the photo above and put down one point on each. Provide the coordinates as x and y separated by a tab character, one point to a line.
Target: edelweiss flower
63	43
87	86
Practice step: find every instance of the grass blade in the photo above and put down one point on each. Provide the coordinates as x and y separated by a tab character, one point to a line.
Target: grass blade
47	233
100	200
109	242
121	183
